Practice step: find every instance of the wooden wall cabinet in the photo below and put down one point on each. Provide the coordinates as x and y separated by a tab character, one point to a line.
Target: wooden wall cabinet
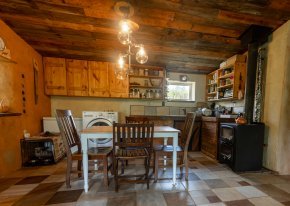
228	82
77	77
55	76
70	77
118	88
98	79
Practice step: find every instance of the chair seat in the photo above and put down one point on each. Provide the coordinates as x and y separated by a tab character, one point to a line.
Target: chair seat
166	148
94	153
131	153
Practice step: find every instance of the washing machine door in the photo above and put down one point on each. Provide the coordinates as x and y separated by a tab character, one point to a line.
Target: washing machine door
100	122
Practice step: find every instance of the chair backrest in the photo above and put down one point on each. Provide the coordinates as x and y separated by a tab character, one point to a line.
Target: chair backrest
68	130
133	135
187	131
137	120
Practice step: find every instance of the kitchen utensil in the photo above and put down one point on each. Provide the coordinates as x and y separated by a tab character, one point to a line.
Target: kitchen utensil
4	105
240	119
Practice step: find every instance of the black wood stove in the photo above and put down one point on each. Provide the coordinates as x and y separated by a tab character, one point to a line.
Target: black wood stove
241	146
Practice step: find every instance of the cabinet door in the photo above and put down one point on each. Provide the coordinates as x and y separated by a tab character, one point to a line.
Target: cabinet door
77	77
118	88
209	138
55	76
98	79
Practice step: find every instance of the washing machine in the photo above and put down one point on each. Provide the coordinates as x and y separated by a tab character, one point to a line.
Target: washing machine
96	118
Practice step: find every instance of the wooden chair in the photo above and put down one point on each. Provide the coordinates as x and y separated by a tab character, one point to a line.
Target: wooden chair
132	141
134	120
165	151
71	140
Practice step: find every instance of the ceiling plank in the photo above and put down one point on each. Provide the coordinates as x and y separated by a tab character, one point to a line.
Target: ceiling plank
248	19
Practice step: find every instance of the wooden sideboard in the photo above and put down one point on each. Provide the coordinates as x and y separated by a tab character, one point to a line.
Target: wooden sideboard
177	122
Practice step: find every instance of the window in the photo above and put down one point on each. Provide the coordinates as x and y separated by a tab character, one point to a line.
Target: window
181	91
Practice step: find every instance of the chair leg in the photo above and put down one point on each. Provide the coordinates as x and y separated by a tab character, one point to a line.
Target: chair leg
122	166
147	170
112	164
181	171
79	168
68	171
116	174
185	163
186	170
156	158
127	162
105	171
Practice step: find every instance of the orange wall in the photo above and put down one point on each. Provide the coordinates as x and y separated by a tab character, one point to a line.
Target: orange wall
11	128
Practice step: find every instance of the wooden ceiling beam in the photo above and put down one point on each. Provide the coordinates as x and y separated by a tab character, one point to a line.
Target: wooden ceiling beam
248	19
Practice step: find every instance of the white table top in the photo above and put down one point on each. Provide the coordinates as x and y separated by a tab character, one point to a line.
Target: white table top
109	129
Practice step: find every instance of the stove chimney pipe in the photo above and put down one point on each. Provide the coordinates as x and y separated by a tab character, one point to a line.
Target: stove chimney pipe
253	37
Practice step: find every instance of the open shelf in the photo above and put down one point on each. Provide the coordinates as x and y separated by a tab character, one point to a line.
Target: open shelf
145	77
227	75
228	79
7	114
145	87
211	93
5	59
212	84
225	86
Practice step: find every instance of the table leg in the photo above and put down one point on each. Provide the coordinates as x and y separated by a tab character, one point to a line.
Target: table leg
164	161
174	163
84	141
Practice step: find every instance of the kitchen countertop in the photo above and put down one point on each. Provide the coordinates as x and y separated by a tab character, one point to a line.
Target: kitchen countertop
182	117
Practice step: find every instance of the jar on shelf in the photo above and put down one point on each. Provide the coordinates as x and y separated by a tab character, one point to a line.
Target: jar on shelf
146	72
228	81
157	94
149	93
131	92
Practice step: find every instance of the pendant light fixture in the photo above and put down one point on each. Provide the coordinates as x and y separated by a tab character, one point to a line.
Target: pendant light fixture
127	27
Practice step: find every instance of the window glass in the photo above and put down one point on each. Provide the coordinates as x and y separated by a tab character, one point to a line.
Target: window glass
182	91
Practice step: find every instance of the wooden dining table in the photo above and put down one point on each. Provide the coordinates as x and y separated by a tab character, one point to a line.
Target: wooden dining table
100	132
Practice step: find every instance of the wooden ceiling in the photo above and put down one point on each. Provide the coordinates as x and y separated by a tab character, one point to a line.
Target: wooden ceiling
191	36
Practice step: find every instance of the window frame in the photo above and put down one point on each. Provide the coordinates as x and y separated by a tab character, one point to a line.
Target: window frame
191	85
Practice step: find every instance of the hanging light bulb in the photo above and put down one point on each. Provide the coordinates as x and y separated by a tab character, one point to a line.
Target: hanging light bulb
141	55
124	38
121	62
120	69
125	26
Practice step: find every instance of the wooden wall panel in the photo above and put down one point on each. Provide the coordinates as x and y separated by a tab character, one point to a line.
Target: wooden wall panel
11	86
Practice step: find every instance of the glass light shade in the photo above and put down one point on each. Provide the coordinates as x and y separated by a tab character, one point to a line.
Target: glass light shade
121	74
124	38
141	56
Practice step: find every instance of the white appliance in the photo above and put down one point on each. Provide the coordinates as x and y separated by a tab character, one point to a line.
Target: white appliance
50	124
96	118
